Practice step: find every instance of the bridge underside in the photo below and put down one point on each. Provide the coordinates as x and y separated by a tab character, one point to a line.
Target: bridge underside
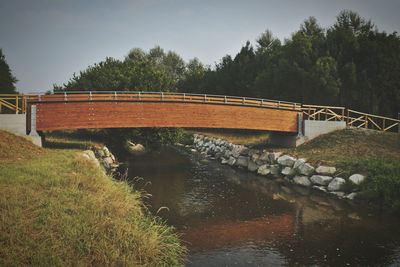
105	114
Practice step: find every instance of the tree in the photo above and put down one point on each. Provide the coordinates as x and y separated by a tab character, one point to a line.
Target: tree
7	80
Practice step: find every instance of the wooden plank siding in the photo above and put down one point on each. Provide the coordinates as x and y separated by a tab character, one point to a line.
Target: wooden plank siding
136	114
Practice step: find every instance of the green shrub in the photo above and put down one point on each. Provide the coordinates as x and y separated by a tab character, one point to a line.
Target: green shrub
383	181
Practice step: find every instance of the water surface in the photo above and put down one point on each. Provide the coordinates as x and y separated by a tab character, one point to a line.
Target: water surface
228	217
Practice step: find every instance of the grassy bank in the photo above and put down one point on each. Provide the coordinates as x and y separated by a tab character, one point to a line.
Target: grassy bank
373	153
57	208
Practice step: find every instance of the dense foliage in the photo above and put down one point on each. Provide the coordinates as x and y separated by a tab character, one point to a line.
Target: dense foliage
350	64
7	80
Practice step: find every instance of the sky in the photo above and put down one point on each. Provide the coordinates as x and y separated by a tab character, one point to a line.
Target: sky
46	41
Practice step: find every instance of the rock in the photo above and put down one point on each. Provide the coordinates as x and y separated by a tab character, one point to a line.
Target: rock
354	216
298	163
244	151
90	154
224	161
351	196
227	154
286	160
252	166
100	153
275	169
251	152
135	149
108	160
236	151
242	161
287	171
263	157
255	157
263	170
231	161
339	194
306	169
273	157
218	155
325	170
357	179
320	179
106	151
319	188
336	184
302	180
193	150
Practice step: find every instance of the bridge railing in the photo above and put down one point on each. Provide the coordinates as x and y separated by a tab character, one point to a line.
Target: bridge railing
13	103
351	117
165	97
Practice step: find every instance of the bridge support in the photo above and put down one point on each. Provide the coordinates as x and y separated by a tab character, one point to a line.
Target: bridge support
277	139
33	135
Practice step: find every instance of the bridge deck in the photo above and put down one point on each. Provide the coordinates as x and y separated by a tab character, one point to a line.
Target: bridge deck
123	110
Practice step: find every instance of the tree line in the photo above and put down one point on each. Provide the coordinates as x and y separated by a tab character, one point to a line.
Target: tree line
350	63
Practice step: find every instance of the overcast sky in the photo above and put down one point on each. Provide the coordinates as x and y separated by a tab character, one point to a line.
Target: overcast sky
46	41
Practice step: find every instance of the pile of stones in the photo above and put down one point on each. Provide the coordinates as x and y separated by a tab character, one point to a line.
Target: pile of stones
101	156
277	165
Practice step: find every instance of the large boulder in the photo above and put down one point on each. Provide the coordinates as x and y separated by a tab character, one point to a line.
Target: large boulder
336	184
242	161
320	179
302	180
325	170
135	149
263	170
357	179
252	166
298	163
286	160
231	161
305	169
287	171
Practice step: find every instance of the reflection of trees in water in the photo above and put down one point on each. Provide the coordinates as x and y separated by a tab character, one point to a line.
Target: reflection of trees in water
339	240
218	207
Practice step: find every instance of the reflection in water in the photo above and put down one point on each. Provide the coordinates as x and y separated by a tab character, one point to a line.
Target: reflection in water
228	217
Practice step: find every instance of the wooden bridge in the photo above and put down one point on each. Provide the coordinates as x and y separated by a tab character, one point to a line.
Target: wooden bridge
106	109
138	109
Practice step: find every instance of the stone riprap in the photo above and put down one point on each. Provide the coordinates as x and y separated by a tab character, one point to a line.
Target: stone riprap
278	165
101	156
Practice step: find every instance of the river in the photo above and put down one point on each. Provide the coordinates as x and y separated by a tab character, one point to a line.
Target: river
228	217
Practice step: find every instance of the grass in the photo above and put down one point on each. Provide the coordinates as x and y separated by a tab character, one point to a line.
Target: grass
372	153
57	208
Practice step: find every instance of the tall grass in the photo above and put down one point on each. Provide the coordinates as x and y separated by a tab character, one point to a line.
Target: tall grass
59	209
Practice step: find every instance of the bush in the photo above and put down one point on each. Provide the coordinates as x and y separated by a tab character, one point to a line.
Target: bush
383	181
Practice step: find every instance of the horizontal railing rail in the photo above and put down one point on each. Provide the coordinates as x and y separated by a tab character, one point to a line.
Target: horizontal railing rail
165	97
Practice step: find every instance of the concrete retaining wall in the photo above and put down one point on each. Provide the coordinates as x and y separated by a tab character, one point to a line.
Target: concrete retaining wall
313	128
16	124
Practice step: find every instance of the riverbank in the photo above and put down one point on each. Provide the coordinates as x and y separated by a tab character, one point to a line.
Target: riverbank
351	163
59	208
